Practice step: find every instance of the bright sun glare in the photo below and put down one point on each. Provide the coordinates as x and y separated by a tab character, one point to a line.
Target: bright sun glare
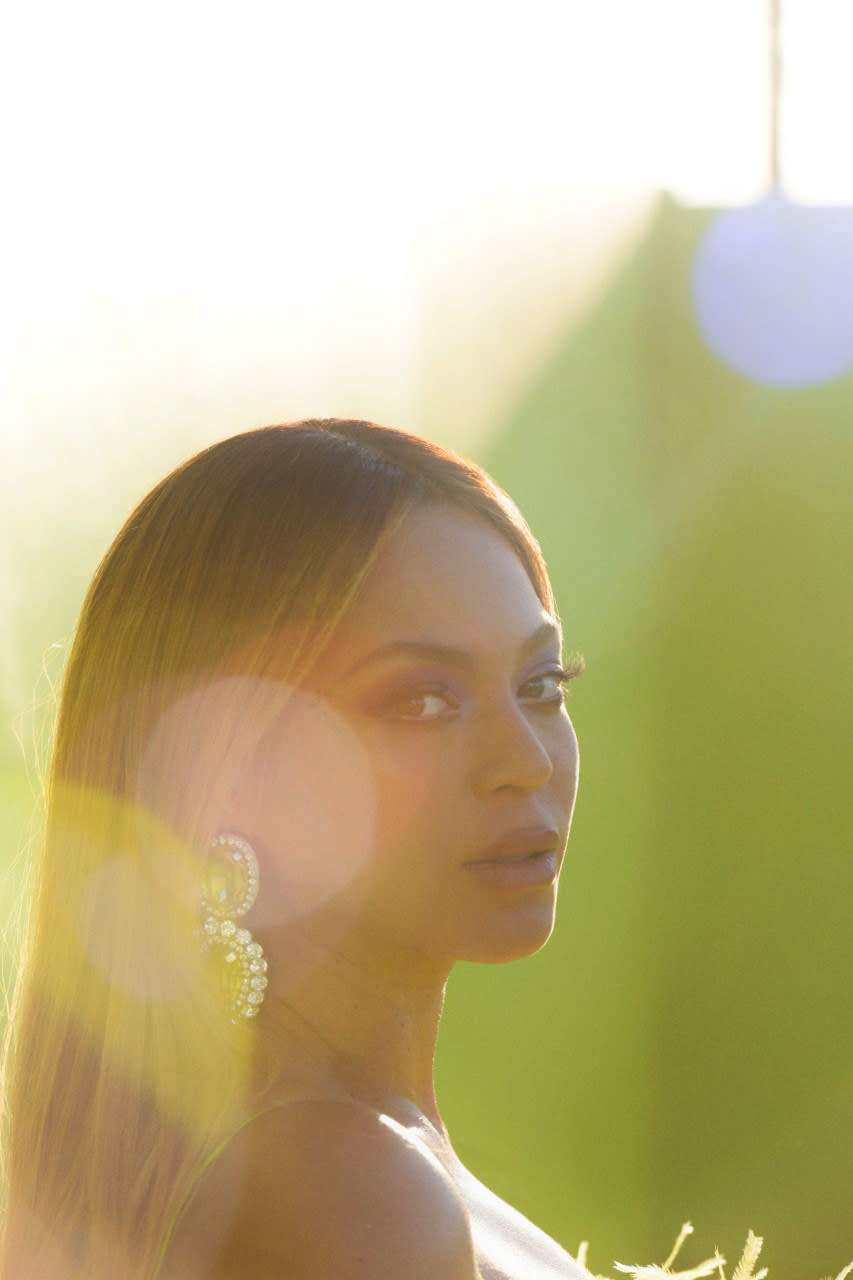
216	146
300	157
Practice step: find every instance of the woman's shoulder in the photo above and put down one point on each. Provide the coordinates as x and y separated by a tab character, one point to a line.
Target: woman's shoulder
324	1187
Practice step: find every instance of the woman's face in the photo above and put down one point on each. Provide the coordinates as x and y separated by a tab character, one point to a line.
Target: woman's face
432	734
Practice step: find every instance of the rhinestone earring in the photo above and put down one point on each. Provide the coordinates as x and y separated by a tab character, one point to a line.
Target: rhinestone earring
230	889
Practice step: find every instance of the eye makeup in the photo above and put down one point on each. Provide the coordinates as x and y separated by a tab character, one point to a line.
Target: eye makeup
560	676
394	694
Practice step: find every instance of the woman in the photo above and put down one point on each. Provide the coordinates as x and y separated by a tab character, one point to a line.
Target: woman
311	751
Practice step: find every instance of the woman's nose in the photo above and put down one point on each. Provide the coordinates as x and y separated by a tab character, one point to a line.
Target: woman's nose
511	753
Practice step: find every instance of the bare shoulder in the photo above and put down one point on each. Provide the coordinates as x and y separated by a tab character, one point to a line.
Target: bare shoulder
325	1188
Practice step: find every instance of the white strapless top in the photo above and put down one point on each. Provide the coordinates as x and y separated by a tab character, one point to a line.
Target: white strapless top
507	1246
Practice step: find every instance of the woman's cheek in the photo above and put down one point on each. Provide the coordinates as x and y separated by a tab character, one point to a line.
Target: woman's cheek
320	803
417	778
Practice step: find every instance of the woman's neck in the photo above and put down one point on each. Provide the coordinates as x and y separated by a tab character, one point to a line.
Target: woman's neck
346	1019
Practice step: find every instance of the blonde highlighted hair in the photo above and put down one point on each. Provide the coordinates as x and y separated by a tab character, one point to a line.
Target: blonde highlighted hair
122	1074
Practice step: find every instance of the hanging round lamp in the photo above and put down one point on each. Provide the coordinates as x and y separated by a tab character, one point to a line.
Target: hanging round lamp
772	283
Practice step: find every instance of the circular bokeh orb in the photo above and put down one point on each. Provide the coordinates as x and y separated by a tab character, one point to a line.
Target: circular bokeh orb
772	288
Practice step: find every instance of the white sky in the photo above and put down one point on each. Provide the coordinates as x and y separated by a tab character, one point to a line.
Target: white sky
154	133
304	183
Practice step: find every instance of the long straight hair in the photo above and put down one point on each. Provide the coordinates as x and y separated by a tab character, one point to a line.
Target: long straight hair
122	1073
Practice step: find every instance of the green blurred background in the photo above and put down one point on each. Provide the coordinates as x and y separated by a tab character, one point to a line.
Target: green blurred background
683	1047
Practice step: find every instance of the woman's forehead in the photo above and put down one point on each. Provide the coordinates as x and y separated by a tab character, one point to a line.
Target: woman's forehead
446	577
446	545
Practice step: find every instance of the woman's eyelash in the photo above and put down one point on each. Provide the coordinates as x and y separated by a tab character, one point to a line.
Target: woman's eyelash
574	667
561	675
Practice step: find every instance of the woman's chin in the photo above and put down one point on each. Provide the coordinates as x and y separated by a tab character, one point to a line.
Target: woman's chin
523	939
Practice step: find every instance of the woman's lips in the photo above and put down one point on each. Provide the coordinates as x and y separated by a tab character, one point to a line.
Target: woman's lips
525	856
515	872
518	846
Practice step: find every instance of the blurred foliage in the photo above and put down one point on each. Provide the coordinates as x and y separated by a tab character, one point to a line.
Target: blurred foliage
744	1269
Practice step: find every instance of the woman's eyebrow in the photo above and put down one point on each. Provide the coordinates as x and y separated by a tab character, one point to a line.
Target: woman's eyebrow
449	655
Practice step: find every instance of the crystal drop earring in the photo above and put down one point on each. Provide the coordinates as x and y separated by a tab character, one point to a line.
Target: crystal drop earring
231	879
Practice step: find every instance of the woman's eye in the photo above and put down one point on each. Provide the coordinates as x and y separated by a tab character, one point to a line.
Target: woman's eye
428	705
547	688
